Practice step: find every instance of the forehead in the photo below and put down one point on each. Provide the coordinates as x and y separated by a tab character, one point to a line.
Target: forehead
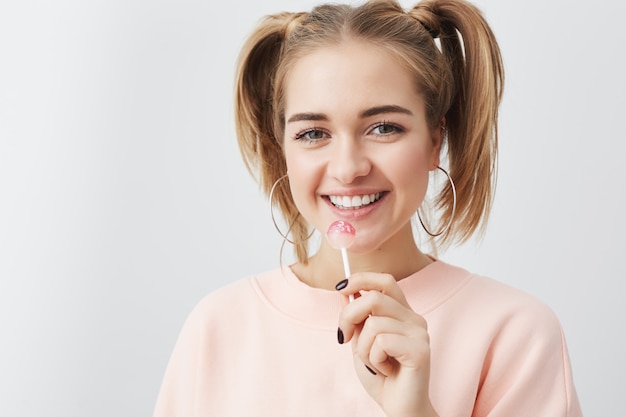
349	73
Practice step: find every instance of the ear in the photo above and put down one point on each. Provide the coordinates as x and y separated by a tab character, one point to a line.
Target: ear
437	137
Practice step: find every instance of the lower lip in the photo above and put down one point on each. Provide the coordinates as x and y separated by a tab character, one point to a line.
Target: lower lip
355	213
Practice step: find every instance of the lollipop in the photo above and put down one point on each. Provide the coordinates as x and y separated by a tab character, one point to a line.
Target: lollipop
341	235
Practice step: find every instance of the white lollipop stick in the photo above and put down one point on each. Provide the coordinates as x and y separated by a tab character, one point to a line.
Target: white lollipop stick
346	264
341	235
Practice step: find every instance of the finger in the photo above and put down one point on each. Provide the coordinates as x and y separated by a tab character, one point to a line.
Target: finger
369	304
348	298
390	350
363	343
373	281
372	343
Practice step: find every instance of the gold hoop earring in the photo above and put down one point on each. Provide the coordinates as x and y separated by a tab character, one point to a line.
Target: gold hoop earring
284	236
445	229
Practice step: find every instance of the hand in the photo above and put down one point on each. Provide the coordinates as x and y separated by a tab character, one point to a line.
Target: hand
392	340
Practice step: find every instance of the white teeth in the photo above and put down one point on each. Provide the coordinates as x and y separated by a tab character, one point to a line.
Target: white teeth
354	202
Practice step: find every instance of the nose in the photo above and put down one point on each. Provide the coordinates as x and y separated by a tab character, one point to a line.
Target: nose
349	160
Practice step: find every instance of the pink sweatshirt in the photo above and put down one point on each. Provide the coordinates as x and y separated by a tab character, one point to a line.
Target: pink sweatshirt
267	346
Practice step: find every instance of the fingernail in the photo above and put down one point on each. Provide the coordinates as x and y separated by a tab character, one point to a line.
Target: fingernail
339	336
341	285
371	370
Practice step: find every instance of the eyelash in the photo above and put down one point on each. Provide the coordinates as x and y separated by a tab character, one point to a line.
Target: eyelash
302	135
396	129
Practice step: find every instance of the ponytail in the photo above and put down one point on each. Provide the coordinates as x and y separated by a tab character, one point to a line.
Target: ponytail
258	133
254	95
473	57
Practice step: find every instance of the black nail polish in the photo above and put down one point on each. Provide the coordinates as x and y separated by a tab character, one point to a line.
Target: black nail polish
339	336
341	285
371	370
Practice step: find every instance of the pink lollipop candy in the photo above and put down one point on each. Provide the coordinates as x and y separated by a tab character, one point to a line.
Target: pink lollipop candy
341	235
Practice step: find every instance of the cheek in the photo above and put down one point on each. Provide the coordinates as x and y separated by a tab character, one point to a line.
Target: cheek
410	166
409	171
297	182
302	176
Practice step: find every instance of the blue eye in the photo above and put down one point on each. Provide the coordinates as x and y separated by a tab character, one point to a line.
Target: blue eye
385	129
311	135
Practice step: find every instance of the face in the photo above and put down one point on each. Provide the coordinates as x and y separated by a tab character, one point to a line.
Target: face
357	144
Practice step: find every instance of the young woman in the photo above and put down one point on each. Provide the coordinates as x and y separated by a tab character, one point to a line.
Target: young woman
345	113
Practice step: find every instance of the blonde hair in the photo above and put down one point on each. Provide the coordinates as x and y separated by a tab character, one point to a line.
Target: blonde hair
461	82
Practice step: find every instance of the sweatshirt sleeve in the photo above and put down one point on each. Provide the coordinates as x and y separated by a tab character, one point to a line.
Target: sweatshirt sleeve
527	371
180	383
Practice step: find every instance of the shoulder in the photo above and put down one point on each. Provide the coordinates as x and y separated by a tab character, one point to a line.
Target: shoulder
231	300
514	305
488	302
518	329
522	346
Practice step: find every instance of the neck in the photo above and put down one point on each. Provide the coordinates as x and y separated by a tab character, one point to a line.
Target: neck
399	256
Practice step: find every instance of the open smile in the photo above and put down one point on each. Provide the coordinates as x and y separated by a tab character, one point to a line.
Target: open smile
354	202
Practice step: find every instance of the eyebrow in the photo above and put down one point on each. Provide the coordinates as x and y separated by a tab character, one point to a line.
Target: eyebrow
385	109
374	111
298	117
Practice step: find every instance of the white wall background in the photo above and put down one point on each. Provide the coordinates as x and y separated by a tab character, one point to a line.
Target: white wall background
123	199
